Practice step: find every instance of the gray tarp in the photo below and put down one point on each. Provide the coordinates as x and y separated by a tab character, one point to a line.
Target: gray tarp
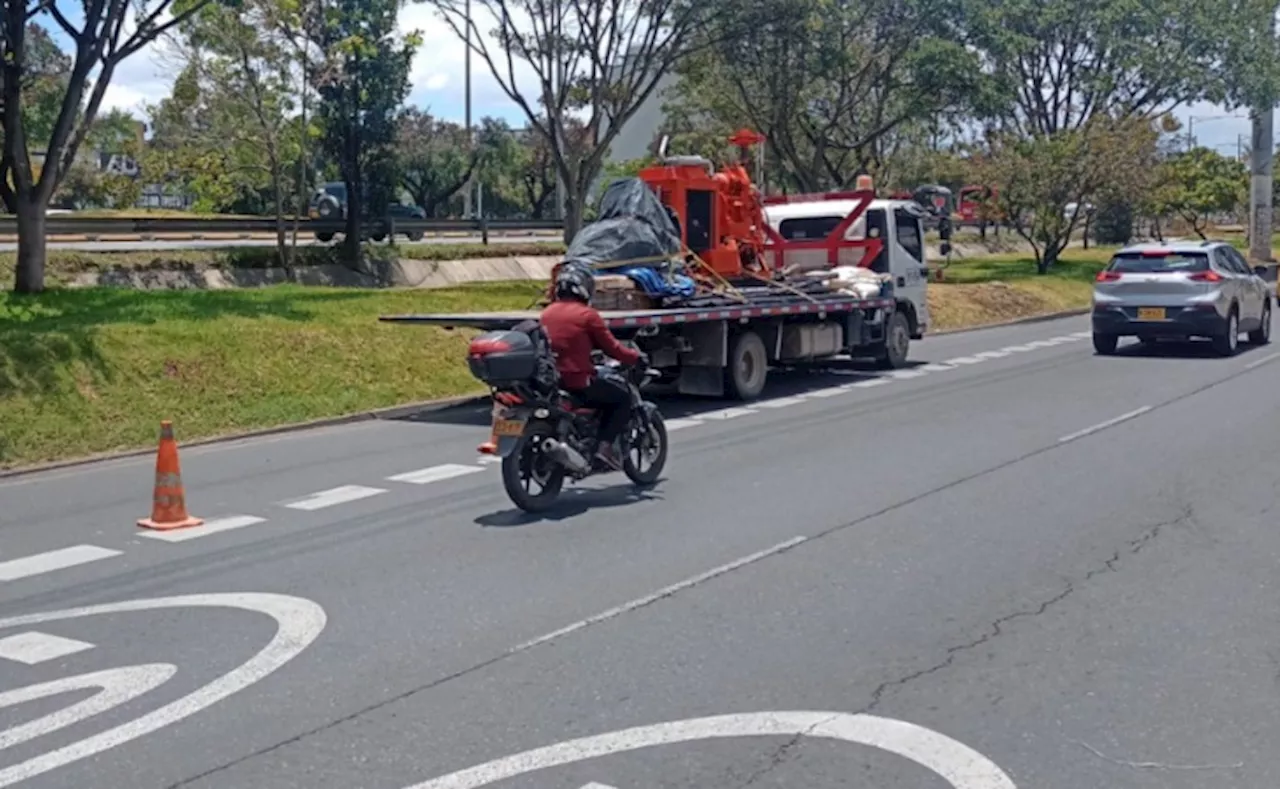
633	225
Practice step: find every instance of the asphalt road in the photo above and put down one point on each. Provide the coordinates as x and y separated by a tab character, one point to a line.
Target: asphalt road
228	243
1030	567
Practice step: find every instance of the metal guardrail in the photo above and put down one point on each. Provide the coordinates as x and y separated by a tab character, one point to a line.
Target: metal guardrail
80	226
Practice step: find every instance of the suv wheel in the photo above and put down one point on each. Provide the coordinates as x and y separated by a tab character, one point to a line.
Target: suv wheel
1262	335
1225	344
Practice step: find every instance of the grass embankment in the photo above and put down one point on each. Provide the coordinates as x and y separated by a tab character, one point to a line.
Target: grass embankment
92	370
999	288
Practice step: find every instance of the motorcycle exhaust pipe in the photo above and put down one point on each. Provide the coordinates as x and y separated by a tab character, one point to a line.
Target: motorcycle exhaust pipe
566	455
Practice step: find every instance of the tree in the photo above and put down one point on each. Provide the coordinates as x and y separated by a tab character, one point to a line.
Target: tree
1064	63
45	81
245	75
597	59
362	82
1199	183
100	44
829	83
1035	178
435	159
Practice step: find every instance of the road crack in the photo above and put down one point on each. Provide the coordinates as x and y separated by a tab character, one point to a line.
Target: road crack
997	628
782	753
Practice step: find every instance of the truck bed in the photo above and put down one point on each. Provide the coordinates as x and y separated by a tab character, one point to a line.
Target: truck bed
622	319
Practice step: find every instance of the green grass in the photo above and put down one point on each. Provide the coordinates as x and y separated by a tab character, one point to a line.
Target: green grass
92	370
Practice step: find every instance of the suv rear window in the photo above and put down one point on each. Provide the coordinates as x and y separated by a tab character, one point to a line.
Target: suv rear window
1155	263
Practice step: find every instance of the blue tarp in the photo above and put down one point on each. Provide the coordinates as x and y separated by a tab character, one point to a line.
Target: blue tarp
653	283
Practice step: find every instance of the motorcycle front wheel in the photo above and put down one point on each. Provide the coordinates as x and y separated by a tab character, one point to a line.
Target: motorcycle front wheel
528	465
646	450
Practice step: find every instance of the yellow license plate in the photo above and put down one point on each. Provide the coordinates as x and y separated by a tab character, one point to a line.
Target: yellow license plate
508	428
1151	313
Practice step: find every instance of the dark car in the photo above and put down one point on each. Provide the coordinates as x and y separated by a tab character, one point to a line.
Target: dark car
330	202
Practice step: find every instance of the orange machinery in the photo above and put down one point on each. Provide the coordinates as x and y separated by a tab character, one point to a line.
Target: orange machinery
721	214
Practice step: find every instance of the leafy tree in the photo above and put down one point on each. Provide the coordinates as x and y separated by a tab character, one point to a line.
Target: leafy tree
245	75
361	83
599	61
435	159
1036	178
100	46
829	83
1065	63
45	81
1199	183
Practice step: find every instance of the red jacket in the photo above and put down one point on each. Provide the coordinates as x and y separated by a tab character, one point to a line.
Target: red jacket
575	329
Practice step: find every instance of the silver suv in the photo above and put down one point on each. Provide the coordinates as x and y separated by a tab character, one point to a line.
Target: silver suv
1178	291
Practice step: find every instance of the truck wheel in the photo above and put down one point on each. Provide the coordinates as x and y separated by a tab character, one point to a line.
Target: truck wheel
748	367
324	238
892	354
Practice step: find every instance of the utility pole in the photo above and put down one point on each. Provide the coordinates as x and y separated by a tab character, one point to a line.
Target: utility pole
556	118
469	189
1260	169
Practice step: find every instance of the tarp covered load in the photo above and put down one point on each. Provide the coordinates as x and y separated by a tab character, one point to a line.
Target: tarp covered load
633	227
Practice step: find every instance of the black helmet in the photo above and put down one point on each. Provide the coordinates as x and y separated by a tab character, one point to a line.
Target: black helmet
575	282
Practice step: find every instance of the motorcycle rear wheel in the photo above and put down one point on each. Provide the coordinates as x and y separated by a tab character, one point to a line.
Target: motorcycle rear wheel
641	447
528	463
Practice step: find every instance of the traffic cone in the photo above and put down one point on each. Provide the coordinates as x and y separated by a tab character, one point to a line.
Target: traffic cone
169	502
490	447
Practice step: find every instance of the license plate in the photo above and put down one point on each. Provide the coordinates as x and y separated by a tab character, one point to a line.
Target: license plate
508	428
1151	313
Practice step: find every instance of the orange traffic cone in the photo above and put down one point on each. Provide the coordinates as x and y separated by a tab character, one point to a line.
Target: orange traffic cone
169	503
490	447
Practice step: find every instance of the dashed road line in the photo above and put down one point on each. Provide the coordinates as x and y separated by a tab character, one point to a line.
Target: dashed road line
1262	361
210	527
779	402
40	563
333	497
1104	425
964	360
425	476
33	647
673	425
726	413
869	384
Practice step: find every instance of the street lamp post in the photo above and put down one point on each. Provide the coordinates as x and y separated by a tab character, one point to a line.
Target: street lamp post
471	142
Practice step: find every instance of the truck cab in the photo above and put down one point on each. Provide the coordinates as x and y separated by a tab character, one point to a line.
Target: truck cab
898	223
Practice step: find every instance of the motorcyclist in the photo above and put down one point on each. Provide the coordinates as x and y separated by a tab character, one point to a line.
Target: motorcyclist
575	329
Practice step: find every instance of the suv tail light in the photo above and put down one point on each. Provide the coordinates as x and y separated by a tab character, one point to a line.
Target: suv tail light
1107	276
1206	276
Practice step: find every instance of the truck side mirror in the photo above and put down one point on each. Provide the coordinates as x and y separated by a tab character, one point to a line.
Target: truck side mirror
944	228
945	248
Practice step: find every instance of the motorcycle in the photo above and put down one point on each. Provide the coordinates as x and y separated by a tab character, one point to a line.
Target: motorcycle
544	434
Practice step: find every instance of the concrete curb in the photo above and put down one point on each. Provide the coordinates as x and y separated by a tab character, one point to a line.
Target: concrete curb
392	412
1049	316
401	411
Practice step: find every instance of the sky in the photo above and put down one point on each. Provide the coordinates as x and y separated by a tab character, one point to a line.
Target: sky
438	85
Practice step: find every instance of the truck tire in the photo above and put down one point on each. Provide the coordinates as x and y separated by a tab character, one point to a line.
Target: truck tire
892	353
324	238
748	368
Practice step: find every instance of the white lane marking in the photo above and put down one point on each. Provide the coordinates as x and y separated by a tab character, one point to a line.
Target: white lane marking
991	355
680	424
424	476
1040	344
115	686
1104	425
1082	335
34	647
779	402
334	497
665	591
902	375
958	764
1262	361
1016	348
963	360
869	384
298	622
60	559
830	391
488	460
209	527
936	367
594	785
726	413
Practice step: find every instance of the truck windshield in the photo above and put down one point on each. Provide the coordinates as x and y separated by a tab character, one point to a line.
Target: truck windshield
1159	263
811	228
